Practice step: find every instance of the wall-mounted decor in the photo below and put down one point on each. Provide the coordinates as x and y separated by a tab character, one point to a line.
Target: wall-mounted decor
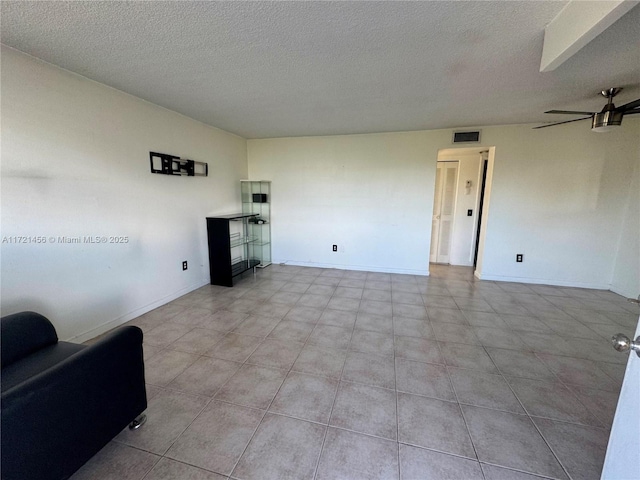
172	165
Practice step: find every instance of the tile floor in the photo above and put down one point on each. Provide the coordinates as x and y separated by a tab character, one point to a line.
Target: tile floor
304	373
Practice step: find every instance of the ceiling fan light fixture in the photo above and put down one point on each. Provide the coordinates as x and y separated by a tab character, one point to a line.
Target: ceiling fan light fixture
606	121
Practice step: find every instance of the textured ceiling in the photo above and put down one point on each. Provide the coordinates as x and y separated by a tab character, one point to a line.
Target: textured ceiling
273	69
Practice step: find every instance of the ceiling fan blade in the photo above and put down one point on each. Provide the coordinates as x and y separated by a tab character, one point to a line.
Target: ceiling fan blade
628	106
570	112
560	123
629	112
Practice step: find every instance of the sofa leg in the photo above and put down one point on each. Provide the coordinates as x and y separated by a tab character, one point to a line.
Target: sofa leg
138	422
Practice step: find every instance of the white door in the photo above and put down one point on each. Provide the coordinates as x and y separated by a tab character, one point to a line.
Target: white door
444	207
623	452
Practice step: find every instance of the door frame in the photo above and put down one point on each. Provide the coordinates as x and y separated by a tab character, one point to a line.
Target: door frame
479	234
484	165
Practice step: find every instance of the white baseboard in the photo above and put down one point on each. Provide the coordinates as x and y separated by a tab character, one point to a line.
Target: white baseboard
105	327
360	268
542	281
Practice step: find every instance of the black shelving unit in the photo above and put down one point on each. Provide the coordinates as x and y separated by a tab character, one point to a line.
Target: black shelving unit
230	254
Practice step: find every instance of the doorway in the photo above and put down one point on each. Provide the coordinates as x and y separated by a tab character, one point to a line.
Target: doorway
462	192
444	207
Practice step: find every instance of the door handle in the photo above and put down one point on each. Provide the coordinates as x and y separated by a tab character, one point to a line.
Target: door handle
622	343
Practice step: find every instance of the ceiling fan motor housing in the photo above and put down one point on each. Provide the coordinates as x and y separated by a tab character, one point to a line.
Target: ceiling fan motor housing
608	117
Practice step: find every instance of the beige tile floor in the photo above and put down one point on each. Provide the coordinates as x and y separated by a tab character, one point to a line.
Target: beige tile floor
305	373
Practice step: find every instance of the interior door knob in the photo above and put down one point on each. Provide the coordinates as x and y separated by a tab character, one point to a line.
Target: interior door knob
622	343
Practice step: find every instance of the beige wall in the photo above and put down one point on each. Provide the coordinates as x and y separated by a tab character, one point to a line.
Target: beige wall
75	162
372	195
626	274
558	196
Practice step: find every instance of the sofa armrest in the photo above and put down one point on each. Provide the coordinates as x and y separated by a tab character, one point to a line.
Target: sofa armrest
24	333
55	421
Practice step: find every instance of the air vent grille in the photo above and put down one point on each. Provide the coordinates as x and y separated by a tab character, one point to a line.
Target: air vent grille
466	137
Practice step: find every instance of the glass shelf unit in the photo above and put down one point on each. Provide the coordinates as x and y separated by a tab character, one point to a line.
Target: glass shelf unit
231	249
236	239
256	200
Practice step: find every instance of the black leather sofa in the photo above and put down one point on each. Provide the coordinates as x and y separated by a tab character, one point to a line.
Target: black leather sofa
62	402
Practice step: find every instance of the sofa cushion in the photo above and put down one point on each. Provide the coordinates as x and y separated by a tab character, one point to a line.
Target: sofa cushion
22	334
38	362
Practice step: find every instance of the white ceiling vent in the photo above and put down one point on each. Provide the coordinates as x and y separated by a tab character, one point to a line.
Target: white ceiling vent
466	137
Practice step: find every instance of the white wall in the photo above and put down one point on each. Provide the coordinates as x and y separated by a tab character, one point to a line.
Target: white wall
75	162
464	228
372	195
558	196
626	277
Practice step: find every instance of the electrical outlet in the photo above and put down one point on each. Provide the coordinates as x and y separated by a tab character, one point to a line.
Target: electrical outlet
519	257
184	265
335	248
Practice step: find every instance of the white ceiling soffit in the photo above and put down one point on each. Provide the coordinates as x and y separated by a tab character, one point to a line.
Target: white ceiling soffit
575	26
273	69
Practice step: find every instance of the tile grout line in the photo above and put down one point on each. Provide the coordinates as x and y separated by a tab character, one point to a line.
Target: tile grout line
266	410
210	400
276	394
395	374
464	419
557	458
335	398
